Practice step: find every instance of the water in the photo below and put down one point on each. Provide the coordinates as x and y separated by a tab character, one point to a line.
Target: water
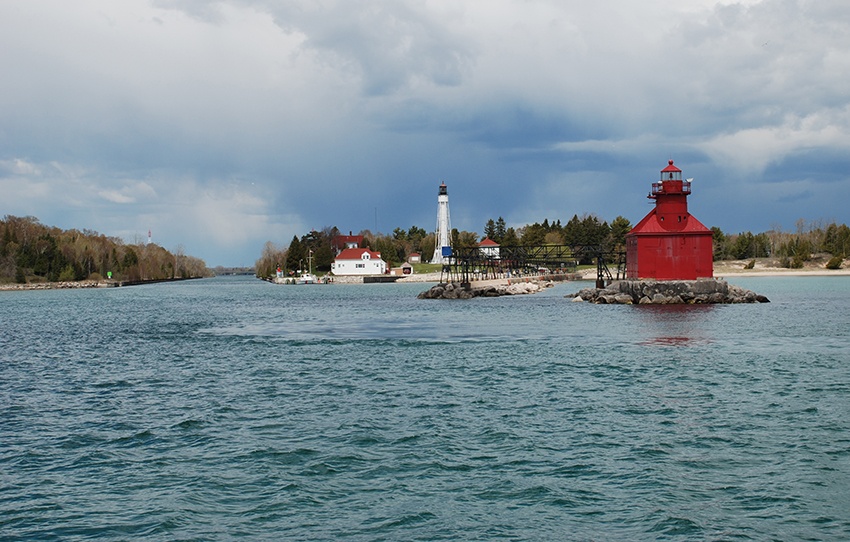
231	408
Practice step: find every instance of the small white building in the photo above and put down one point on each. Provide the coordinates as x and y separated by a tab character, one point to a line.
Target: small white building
489	248
358	261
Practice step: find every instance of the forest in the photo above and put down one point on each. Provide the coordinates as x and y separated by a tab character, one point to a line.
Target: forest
791	249
33	252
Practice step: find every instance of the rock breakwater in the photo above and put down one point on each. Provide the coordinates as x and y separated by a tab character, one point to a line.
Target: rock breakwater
453	290
79	284
668	292
58	285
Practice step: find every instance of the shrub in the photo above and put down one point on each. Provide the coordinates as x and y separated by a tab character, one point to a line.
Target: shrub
67	274
835	262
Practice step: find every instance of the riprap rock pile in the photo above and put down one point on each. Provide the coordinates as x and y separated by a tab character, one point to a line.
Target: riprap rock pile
459	291
668	292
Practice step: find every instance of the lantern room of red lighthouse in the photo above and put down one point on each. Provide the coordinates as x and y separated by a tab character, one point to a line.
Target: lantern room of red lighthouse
669	243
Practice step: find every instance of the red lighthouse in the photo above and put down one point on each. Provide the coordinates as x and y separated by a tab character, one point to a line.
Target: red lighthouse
669	243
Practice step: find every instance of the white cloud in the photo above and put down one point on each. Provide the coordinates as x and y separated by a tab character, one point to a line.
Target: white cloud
750	151
18	166
129	193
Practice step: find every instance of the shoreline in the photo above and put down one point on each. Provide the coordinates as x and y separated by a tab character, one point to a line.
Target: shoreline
783	273
736	268
729	270
84	284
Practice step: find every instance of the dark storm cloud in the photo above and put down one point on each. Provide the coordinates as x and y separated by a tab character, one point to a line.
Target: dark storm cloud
222	125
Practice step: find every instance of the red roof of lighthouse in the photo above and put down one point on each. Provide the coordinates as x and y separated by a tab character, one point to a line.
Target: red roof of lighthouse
670	167
650	225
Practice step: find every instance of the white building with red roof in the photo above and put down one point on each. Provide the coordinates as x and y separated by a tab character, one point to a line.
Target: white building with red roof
489	248
358	261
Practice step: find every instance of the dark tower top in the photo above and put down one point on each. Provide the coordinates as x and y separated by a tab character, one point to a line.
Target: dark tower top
443	190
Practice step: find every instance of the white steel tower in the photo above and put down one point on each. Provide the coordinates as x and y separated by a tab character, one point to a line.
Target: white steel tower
442	236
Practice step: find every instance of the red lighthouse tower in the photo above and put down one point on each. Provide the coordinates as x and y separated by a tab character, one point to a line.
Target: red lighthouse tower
669	243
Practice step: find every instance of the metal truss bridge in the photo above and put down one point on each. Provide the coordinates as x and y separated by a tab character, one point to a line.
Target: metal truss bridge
481	263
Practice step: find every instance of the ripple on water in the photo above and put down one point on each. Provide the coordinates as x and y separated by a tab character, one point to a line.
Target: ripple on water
233	408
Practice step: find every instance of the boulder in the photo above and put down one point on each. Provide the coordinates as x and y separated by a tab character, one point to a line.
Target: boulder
623	299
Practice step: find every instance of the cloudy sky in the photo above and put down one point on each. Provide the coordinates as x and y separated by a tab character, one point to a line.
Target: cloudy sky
220	125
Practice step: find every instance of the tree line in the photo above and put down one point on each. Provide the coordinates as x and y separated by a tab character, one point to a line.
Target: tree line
396	247
33	252
791	248
588	229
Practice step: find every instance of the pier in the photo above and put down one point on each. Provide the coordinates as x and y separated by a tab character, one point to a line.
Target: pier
471	262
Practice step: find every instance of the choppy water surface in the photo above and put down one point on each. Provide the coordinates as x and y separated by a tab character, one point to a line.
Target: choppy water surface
232	408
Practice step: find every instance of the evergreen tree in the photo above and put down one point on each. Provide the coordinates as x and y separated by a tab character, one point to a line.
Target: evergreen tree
742	246
595	232
720	244
620	226
323	257
416	235
501	230
533	235
466	239
573	232
387	248
490	229
323	252
836	240
295	255
510	239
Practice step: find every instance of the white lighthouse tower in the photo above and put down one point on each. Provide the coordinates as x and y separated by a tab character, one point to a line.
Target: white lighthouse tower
442	236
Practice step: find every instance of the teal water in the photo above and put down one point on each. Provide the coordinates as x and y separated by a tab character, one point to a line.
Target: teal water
231	408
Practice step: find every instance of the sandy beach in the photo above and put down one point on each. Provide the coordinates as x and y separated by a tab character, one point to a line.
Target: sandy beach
768	268
763	268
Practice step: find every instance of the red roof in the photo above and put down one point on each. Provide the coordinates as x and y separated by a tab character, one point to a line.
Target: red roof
340	241
650	225
357	254
487	242
670	168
